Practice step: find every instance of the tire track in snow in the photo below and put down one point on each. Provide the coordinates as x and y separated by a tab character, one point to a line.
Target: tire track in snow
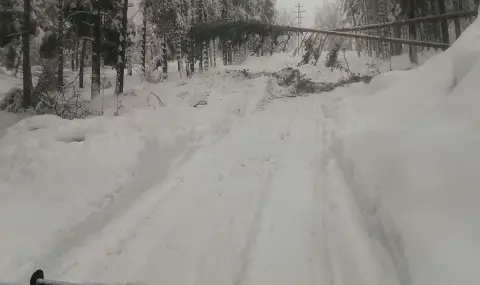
255	228
149	173
112	260
320	249
122	198
283	251
355	233
253	232
212	254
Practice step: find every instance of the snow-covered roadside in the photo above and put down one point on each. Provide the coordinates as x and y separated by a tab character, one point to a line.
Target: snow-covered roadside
63	180
407	145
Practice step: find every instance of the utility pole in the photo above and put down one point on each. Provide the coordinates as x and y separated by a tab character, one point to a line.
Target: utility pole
299	12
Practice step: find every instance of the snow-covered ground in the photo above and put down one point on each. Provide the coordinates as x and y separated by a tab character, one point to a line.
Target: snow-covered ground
368	184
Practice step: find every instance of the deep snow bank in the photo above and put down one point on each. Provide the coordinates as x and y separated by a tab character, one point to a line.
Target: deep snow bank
408	149
55	173
62	180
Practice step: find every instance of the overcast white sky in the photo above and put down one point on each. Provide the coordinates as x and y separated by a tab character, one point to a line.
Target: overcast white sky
288	5
308	6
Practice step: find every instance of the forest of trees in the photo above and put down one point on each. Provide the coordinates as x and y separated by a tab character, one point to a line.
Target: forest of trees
349	13
84	35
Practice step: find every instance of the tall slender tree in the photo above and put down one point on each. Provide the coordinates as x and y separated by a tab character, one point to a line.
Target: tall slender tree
443	23
61	41
144	44
122	48
27	72
96	47
82	62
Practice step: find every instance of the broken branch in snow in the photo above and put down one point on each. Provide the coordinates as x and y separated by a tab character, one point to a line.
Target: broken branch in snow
200	103
160	102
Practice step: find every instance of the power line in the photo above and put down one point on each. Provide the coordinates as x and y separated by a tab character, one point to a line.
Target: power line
299	12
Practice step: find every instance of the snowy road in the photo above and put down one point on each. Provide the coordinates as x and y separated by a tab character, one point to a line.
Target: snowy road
243	210
371	184
245	191
253	207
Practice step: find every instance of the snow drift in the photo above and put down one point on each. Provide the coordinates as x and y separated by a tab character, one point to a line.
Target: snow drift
407	145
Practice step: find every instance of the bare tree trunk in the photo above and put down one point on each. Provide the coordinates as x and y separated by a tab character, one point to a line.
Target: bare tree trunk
18	61
129	57
214	52
205	56
357	41
192	57
27	72
412	50
72	61
122	49
179	56
397	47
224	53
60	48
130	66
129	50
434	25
144	46
77	64
443	23
199	53
210	52
187	65
229	52
96	49
82	62
164	56
187	58
457	7
224	43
